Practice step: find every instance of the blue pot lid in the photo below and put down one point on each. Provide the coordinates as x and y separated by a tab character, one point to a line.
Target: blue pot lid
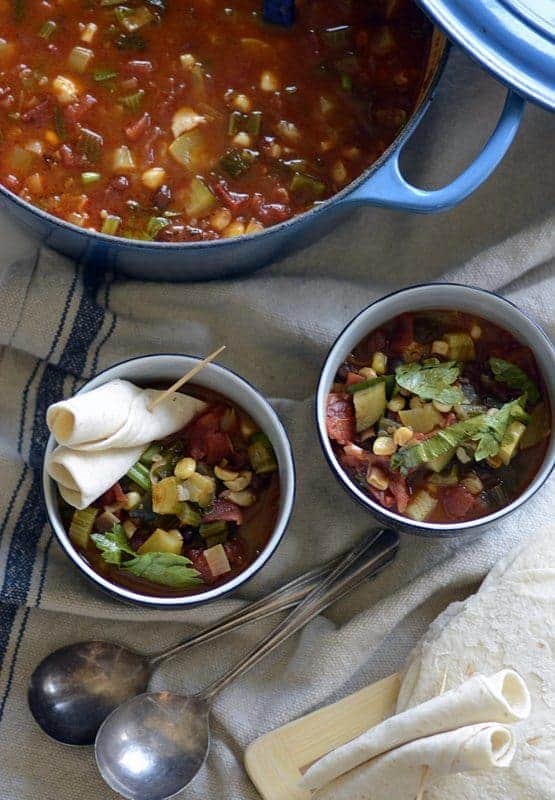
513	39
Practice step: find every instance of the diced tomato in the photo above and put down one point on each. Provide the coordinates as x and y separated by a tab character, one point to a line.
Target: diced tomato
400	491
138	128
457	501
403	334
449	419
113	496
218	446
224	510
354	377
206	441
272	213
340	418
384	498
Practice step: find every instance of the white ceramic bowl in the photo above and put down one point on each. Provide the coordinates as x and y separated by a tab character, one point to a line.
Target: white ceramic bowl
167	368
437	296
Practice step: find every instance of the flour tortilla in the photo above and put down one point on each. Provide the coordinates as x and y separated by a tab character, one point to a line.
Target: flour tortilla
116	415
502	697
509	623
82	477
397	775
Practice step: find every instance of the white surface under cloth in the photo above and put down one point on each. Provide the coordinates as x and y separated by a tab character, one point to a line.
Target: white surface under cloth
278	325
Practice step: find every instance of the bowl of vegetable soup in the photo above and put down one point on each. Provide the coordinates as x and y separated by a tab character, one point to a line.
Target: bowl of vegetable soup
434	408
181	519
193	143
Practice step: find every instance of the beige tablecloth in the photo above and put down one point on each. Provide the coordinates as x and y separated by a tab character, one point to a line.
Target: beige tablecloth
59	324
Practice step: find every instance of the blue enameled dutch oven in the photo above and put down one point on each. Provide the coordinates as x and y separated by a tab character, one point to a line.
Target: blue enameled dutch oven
514	39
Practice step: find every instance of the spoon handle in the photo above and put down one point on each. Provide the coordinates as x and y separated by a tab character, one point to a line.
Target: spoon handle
288	596
332	586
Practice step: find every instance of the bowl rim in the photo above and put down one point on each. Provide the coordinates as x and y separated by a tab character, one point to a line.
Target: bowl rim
287	496
405	523
98	238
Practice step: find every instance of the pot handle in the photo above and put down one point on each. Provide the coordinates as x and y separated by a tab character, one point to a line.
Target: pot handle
387	187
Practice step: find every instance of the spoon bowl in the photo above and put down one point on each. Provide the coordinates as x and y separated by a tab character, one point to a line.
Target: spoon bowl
72	691
154	746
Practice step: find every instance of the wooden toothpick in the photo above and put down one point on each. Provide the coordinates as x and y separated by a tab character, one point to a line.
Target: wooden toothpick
187	377
426	769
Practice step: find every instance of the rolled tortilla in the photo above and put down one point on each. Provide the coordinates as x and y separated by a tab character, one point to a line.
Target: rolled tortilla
82	476
116	415
398	773
502	697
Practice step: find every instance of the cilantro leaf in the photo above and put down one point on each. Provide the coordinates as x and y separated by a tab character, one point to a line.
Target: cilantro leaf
431	381
167	569
112	544
514	377
487	430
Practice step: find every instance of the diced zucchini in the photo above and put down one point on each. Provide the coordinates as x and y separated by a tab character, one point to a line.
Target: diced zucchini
188	149
188	516
162	541
461	346
199	200
389	385
537	428
369	405
217	560
421	506
261	454
81	526
450	478
202	489
210	529
164	497
421	420
439	463
512	437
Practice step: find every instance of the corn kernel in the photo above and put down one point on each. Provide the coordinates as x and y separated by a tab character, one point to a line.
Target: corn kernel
495	461
472	483
384	446
378	479
242	103
52	138
397	403
269	82
444	408
65	90
242	139
225	474
220	219
339	173
402	435
185	468
254	226
235	228
368	372
440	348
379	363
153	178
415	402
463	456
187	60
475	332
89	32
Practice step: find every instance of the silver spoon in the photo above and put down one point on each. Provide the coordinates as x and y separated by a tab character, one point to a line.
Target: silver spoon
153	745
74	689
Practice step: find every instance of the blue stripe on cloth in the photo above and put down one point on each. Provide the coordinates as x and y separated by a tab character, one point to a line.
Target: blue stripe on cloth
32	518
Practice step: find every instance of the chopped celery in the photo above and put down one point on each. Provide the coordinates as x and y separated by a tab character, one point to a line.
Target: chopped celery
162	541
110	224
47	29
90	144
79	59
90	177
104	74
210	529
307	186
164	496
188	149
140	475
261	454
149	454
188	516
132	102
81	526
236	162
155	225
199	200
421	506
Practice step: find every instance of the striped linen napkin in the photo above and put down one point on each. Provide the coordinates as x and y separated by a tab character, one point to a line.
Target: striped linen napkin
61	324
